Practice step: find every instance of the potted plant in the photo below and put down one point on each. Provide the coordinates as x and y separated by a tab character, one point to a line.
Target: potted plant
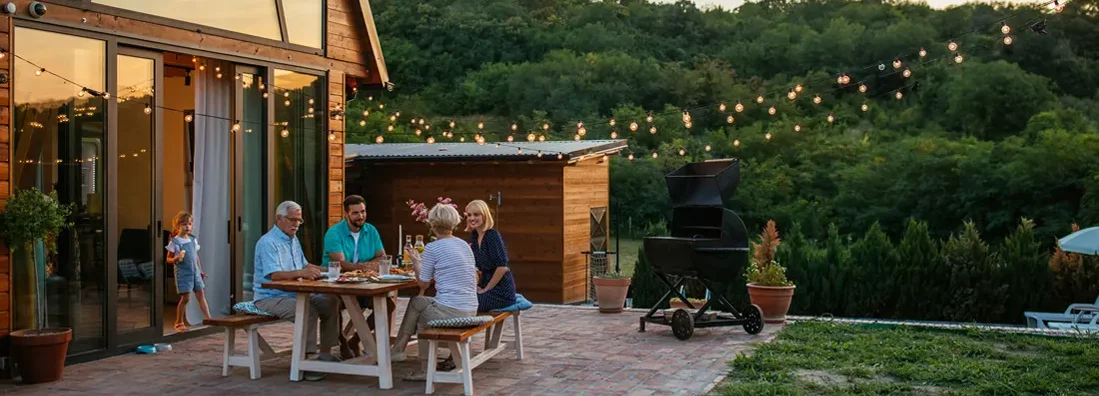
31	222
610	291
767	284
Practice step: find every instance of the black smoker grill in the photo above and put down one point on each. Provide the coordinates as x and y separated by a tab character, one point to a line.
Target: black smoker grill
708	243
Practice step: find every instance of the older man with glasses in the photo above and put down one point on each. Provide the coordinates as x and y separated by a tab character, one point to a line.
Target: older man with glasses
279	257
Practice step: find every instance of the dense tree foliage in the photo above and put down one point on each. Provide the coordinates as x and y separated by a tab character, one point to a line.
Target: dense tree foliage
1009	133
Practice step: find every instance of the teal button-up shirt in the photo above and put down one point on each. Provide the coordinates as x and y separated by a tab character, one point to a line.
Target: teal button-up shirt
338	239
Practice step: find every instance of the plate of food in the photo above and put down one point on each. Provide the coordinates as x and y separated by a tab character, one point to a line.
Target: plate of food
347	279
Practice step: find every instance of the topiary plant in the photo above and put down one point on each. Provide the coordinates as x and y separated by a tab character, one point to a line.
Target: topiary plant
764	270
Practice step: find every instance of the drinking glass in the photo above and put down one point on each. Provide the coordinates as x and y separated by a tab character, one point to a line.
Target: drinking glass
333	269
383	268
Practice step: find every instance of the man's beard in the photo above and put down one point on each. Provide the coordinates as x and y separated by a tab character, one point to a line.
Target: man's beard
358	223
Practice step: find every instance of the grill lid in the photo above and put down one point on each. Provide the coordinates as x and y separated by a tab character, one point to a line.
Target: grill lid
708	183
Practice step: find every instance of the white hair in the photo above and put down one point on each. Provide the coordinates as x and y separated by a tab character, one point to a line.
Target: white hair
443	217
285	208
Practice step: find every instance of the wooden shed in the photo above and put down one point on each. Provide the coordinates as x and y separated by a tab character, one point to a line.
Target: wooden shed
549	207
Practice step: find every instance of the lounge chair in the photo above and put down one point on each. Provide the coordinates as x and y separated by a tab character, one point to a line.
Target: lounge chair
1075	314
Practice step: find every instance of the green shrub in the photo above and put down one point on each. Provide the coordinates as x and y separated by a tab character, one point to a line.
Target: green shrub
874	264
1026	272
975	286
645	288
922	274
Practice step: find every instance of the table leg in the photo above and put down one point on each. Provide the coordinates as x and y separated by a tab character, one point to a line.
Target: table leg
361	327
301	321
381	334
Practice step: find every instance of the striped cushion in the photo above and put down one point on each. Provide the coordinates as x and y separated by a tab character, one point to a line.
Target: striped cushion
471	321
249	307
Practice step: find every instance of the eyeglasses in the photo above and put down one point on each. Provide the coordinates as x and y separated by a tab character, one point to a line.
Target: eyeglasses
294	221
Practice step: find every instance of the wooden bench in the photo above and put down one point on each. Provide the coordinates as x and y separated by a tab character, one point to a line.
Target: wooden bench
250	324
465	362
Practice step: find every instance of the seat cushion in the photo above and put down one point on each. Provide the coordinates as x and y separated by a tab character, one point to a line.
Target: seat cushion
249	307
521	304
471	321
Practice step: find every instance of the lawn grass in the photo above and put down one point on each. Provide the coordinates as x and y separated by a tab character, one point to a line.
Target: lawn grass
819	358
627	249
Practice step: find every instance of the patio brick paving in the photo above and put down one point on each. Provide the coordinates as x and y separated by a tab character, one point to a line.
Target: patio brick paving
568	351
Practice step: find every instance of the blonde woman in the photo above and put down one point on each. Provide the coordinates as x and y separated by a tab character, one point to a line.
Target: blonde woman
496	287
449	262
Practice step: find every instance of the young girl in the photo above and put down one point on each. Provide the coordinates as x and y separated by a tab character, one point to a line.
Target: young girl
183	252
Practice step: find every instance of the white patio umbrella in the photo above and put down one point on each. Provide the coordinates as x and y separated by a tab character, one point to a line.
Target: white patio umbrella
1085	241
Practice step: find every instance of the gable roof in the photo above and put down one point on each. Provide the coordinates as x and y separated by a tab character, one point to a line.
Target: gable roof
381	77
571	151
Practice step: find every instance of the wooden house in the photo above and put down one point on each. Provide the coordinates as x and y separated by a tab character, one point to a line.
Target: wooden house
550	200
135	110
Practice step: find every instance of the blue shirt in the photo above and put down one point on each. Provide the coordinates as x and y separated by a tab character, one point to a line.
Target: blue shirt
275	252
338	239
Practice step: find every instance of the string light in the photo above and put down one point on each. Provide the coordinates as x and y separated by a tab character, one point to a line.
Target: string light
480	125
759	99
630	157
797	127
816	99
899	95
614	134
545	126
188	118
772	110
739	107
896	63
514	127
721	107
798	88
612	122
865	107
633	126
511	138
430	139
767	136
688	125
560	156
655	155
652	130
236	127
80	94
682	152
148	110
649	118
285	133
582	131
576	138
730	119
686	116
362	122
39	71
736	143
907	73
952	46
541	138
379	139
1005	29
419	132
707	147
519	150
287	102
531	137
389	128
452	123
331	136
539	153
792	95
202	67
1008	40
862	88
831	118
958	58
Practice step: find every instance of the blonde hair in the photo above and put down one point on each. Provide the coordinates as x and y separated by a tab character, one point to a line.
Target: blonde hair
177	222
443	217
479	206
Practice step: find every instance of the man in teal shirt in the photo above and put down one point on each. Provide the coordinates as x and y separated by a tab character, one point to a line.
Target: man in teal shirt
356	245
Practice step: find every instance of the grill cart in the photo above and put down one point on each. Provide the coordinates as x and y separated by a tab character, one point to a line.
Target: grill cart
708	243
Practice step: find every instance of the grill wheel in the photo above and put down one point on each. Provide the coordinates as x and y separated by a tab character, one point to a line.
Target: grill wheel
683	326
753	319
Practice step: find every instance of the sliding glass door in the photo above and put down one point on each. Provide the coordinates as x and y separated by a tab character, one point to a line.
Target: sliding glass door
250	176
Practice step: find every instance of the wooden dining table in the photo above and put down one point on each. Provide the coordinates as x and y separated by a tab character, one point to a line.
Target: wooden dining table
348	293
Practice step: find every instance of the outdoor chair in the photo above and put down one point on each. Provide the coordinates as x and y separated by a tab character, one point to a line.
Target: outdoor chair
1076	314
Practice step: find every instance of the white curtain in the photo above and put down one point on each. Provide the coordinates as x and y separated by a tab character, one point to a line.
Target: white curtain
213	97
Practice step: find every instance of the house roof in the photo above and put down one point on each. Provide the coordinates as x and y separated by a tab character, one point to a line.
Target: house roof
571	151
381	75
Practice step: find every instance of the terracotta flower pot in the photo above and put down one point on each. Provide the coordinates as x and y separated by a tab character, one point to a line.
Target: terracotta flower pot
40	354
773	300
611	293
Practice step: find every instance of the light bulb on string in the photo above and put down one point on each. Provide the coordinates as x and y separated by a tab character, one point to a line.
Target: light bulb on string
952	46
582	131
39	71
392	118
896	63
614	134
862	88
265	95
514	126
767	136
798	88
797	127
792	95
539	153
907	73
682	152
519	150
772	110
721	107
899	95
202	67
923	52
422	121
1005	29
576	138
958	58
427	127
452	123
188	118
531	137
655	155
389	128
707	147
480	125
1008	40
633	126
419	132
331	136
545	126
285	133
310	110
688	125
736	143
80	93
686	116
652	130
236	127
579	125
148	110
730	119
831	118
286	94
612	122
462	139
541	138
379	139
511	138
759	99
649	118
362	122
816	99
430	139
865	107
311	101
287	102
630	157
739	107
560	156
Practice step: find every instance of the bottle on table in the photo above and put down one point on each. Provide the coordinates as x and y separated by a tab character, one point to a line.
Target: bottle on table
404	251
419	244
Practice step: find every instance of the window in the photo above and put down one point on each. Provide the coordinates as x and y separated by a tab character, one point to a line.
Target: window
303	21
60	142
253	17
301	145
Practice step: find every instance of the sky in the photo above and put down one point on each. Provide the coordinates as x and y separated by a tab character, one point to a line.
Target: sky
731	4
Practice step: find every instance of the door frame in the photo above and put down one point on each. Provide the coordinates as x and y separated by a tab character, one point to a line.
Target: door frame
111	305
237	246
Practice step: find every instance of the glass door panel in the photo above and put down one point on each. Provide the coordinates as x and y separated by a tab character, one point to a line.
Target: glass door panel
250	178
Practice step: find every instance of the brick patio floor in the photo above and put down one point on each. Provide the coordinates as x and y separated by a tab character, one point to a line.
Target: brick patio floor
568	351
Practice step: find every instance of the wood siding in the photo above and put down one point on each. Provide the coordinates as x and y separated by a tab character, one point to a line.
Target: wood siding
5	182
345	32
530	217
336	81
587	185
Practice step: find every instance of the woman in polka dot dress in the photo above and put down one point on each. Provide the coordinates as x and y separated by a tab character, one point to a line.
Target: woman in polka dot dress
496	285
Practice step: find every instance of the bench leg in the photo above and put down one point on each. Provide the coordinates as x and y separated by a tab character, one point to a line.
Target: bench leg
518	337
263	345
432	355
467	367
230	335
253	354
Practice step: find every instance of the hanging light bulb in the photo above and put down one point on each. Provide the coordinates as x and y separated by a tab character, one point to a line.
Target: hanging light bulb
1008	40
382	106
392	118
188	118
649	118
614	134
545	126
952	46
531	137
688	125
907	73
462	139
236	127
285	133
511	138
311	101
419	132
612	122
707	147
287	102
682	152
389	128
772	110
831	119
331	136
310	110
539	153
541	138
286	94
362	122
958	58
797	127
798	88
896	63
39	71
730	119
106	95
430	139
721	107
519	150
422	121
265	95
582	131
480	125
630	157
560	156
379	139
633	126
514	126
202	67
767	136
219	75
736	143
576	138
148	110
652	130
80	93
739	107
655	155
862	88
899	95
923	52
865	107
759	99
452	123
792	95
686	116
427	127
1005	29
839	79
816	99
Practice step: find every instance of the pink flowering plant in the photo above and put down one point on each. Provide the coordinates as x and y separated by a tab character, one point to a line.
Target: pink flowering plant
419	211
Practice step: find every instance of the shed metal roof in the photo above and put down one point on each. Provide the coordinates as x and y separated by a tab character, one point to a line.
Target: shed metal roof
406	152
